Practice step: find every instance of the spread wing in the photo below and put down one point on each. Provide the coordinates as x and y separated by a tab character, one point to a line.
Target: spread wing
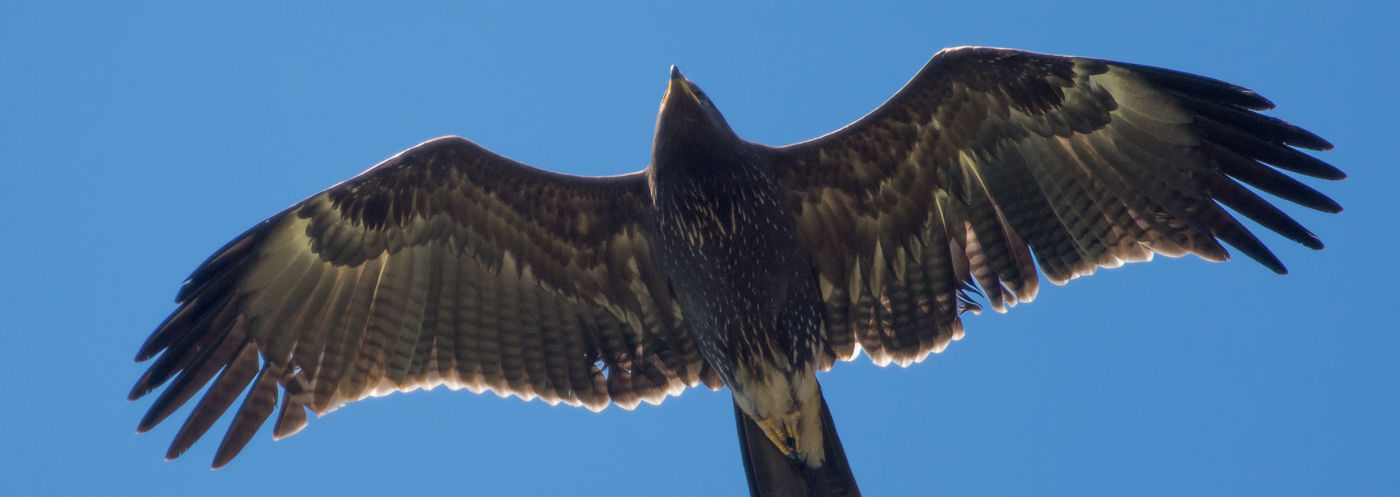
990	159
446	264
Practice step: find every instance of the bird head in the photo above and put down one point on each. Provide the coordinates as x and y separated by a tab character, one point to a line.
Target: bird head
689	124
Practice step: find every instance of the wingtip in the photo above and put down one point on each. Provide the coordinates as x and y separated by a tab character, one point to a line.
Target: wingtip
1253	100
153	344
1309	140
150	420
1327	205
140	389
1295	136
221	460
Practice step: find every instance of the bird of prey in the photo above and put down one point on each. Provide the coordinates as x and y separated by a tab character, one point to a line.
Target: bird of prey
726	262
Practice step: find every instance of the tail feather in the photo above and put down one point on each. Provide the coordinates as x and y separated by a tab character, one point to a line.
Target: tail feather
772	474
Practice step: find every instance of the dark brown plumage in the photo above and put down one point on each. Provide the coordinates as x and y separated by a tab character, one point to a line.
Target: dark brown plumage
448	264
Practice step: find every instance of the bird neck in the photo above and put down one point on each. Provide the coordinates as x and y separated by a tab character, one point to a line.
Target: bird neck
704	170
695	147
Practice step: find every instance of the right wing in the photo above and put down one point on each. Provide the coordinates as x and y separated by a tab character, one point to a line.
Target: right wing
990	162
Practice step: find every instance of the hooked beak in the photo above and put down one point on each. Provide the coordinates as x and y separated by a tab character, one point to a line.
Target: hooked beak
678	86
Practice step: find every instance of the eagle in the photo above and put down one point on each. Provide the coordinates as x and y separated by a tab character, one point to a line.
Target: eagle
726	262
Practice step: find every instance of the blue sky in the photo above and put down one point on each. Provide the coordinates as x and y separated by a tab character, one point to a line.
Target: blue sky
136	139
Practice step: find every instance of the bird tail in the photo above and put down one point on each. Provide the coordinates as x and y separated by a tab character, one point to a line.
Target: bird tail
773	474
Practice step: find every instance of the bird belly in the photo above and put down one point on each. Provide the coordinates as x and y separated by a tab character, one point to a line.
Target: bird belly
747	294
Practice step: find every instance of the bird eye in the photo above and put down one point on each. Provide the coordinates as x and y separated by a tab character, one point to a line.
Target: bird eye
700	95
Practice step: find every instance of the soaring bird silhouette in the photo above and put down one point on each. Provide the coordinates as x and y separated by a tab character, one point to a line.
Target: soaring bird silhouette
726	262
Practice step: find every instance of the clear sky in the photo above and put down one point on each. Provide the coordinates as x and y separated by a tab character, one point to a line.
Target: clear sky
136	138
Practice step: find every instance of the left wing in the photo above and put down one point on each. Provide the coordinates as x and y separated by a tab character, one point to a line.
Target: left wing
988	157
446	264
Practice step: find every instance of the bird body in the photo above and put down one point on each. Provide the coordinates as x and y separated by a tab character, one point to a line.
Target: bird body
723	228
726	262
